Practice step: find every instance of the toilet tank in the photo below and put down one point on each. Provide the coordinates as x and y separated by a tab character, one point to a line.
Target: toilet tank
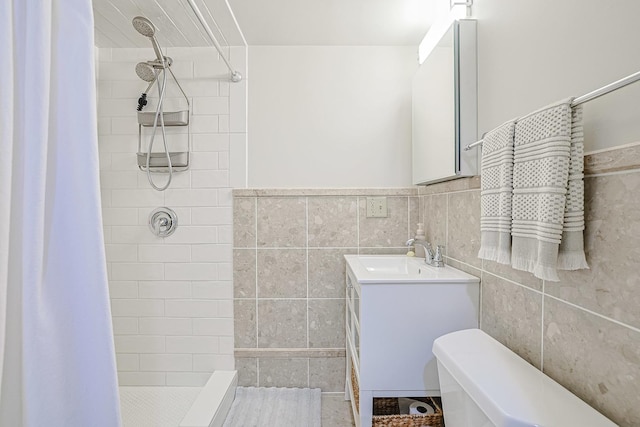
485	384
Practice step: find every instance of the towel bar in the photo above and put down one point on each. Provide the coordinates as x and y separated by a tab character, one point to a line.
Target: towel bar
588	97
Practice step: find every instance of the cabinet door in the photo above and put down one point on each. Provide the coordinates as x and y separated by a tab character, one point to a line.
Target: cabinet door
398	346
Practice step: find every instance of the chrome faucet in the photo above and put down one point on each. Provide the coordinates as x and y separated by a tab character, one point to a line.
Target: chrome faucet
438	260
431	258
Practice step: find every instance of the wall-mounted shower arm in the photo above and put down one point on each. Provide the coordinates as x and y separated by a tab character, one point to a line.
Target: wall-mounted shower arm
235	75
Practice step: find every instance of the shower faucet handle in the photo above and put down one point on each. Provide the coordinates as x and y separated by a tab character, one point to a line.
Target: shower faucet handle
163	222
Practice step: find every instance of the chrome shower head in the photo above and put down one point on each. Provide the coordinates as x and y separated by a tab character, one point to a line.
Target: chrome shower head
144	26
147	29
145	71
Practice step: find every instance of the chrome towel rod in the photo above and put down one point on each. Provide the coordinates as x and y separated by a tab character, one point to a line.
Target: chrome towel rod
589	96
235	75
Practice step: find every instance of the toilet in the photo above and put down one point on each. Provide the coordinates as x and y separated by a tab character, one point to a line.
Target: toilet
484	384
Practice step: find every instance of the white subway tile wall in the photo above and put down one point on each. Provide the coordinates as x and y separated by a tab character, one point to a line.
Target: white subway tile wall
171	298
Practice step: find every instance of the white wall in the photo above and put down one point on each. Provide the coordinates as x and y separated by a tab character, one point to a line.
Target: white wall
532	53
172	298
324	116
330	116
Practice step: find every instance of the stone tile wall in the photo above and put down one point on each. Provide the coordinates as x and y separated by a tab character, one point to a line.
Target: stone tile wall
583	331
289	277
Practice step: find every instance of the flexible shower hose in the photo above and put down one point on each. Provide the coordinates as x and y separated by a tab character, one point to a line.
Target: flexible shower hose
159	116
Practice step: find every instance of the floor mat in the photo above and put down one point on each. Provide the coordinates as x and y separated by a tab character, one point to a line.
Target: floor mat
282	407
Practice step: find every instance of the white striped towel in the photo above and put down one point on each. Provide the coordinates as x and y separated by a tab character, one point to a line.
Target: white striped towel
571	254
542	156
495	196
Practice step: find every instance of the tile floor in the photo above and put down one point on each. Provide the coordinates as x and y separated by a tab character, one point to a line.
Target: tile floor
166	406
336	412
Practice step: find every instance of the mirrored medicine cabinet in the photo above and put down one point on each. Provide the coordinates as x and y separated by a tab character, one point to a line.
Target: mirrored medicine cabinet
444	108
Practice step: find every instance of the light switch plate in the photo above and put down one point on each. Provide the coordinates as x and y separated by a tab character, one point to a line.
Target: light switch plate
376	207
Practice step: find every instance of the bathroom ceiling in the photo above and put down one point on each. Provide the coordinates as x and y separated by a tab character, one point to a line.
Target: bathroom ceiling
273	22
334	22
176	24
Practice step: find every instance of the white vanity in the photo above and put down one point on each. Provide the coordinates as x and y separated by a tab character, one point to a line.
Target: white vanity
396	307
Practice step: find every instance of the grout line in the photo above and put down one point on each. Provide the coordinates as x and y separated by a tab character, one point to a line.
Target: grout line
563	301
358	223
293	247
481	294
544	282
613	173
363	192
306	210
446	226
255	207
466	190
255	221
513	282
602	316
409	217
320	248
608	149
480	300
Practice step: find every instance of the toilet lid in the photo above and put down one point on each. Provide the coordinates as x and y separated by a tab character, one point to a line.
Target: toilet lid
510	391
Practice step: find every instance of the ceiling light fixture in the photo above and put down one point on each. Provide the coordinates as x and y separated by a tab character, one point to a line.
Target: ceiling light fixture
458	10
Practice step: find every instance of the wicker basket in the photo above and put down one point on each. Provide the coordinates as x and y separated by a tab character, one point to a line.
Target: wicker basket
390	406
356	388
386	410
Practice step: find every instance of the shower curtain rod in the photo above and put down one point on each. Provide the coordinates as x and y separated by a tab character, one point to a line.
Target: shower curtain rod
235	75
588	97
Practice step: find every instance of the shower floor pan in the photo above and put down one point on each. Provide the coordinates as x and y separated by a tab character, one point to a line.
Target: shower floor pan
179	406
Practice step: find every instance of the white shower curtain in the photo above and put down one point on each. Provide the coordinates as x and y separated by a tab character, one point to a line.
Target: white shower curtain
57	362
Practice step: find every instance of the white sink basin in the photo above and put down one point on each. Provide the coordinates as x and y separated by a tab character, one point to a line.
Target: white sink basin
389	264
402	269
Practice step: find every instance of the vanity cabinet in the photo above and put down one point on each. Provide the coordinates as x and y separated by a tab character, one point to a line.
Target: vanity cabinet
391	323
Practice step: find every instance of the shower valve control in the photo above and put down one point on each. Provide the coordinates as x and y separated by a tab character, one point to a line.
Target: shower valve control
163	222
